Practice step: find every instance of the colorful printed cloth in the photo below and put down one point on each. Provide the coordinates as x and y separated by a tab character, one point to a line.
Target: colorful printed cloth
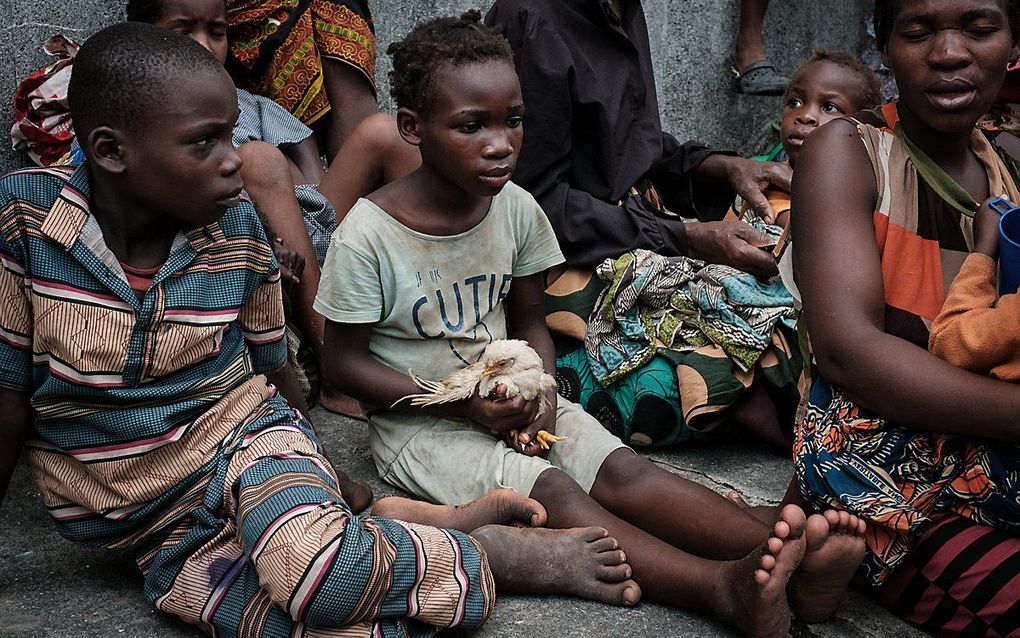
847	457
277	47
42	119
680	304
640	388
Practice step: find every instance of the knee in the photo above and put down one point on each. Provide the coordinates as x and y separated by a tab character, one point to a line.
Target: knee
290	559
263	164
555	490
621	471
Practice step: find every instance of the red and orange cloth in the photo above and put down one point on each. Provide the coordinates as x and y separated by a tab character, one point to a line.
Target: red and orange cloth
277	48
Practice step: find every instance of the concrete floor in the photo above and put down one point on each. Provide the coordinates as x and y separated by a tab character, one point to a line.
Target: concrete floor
50	587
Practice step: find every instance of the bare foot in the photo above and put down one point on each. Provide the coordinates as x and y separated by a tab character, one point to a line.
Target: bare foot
498	507
835	549
753	596
357	494
583	561
338	403
764	513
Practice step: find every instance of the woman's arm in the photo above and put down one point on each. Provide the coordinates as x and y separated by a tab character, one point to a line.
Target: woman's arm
840	278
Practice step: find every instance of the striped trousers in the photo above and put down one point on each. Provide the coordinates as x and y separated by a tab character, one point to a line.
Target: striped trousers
961	578
273	550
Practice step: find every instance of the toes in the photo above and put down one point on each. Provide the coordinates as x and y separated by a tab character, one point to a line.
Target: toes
631	594
816	531
767	562
832	516
625	593
738	500
589	534
781	530
529	511
795	518
614	573
774	545
606	544
615	557
844	521
761	576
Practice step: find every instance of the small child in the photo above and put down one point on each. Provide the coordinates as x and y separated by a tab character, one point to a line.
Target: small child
431	268
979	331
826	86
141	348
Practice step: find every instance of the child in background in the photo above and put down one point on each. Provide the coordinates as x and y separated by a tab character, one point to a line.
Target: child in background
826	86
280	172
430	269
148	405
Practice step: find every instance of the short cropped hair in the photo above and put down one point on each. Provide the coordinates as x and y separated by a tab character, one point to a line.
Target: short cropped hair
418	57
871	88
886	11
124	72
144	10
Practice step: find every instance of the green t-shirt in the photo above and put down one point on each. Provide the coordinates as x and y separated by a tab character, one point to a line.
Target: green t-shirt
435	302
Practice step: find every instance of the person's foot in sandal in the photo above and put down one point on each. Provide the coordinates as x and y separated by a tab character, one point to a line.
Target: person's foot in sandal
759	78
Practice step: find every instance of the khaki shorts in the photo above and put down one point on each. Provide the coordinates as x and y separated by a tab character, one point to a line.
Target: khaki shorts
455	462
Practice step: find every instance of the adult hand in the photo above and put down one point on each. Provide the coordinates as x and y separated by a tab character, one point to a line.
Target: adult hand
750	178
986	230
731	243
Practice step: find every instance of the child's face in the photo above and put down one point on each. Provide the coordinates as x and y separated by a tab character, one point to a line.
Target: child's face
181	163
473	134
949	58
204	21
820	92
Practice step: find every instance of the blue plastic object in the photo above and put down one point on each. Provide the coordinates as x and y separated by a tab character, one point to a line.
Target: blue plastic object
1009	245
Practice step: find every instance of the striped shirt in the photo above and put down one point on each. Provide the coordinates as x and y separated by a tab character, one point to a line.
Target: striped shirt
133	393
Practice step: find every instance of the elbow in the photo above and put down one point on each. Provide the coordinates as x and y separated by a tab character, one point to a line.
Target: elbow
840	363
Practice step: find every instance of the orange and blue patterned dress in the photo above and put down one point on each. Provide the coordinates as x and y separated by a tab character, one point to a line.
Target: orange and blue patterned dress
901	479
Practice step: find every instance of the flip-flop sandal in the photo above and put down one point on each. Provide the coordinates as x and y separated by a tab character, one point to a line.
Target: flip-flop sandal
759	78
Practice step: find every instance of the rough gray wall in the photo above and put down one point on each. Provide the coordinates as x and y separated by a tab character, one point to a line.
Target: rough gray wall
692	41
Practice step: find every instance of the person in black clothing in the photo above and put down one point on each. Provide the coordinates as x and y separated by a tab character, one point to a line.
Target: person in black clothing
595	157
593	134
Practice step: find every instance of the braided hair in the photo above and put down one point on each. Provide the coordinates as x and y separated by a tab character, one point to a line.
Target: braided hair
418	58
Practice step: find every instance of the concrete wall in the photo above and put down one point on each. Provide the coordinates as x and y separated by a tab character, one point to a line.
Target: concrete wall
692	41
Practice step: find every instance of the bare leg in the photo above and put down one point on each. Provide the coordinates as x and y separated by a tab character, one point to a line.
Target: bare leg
750	43
267	178
755	414
624	475
585	562
749	592
350	99
498	507
357	494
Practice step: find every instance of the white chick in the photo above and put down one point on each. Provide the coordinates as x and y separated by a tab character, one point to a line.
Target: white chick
508	362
